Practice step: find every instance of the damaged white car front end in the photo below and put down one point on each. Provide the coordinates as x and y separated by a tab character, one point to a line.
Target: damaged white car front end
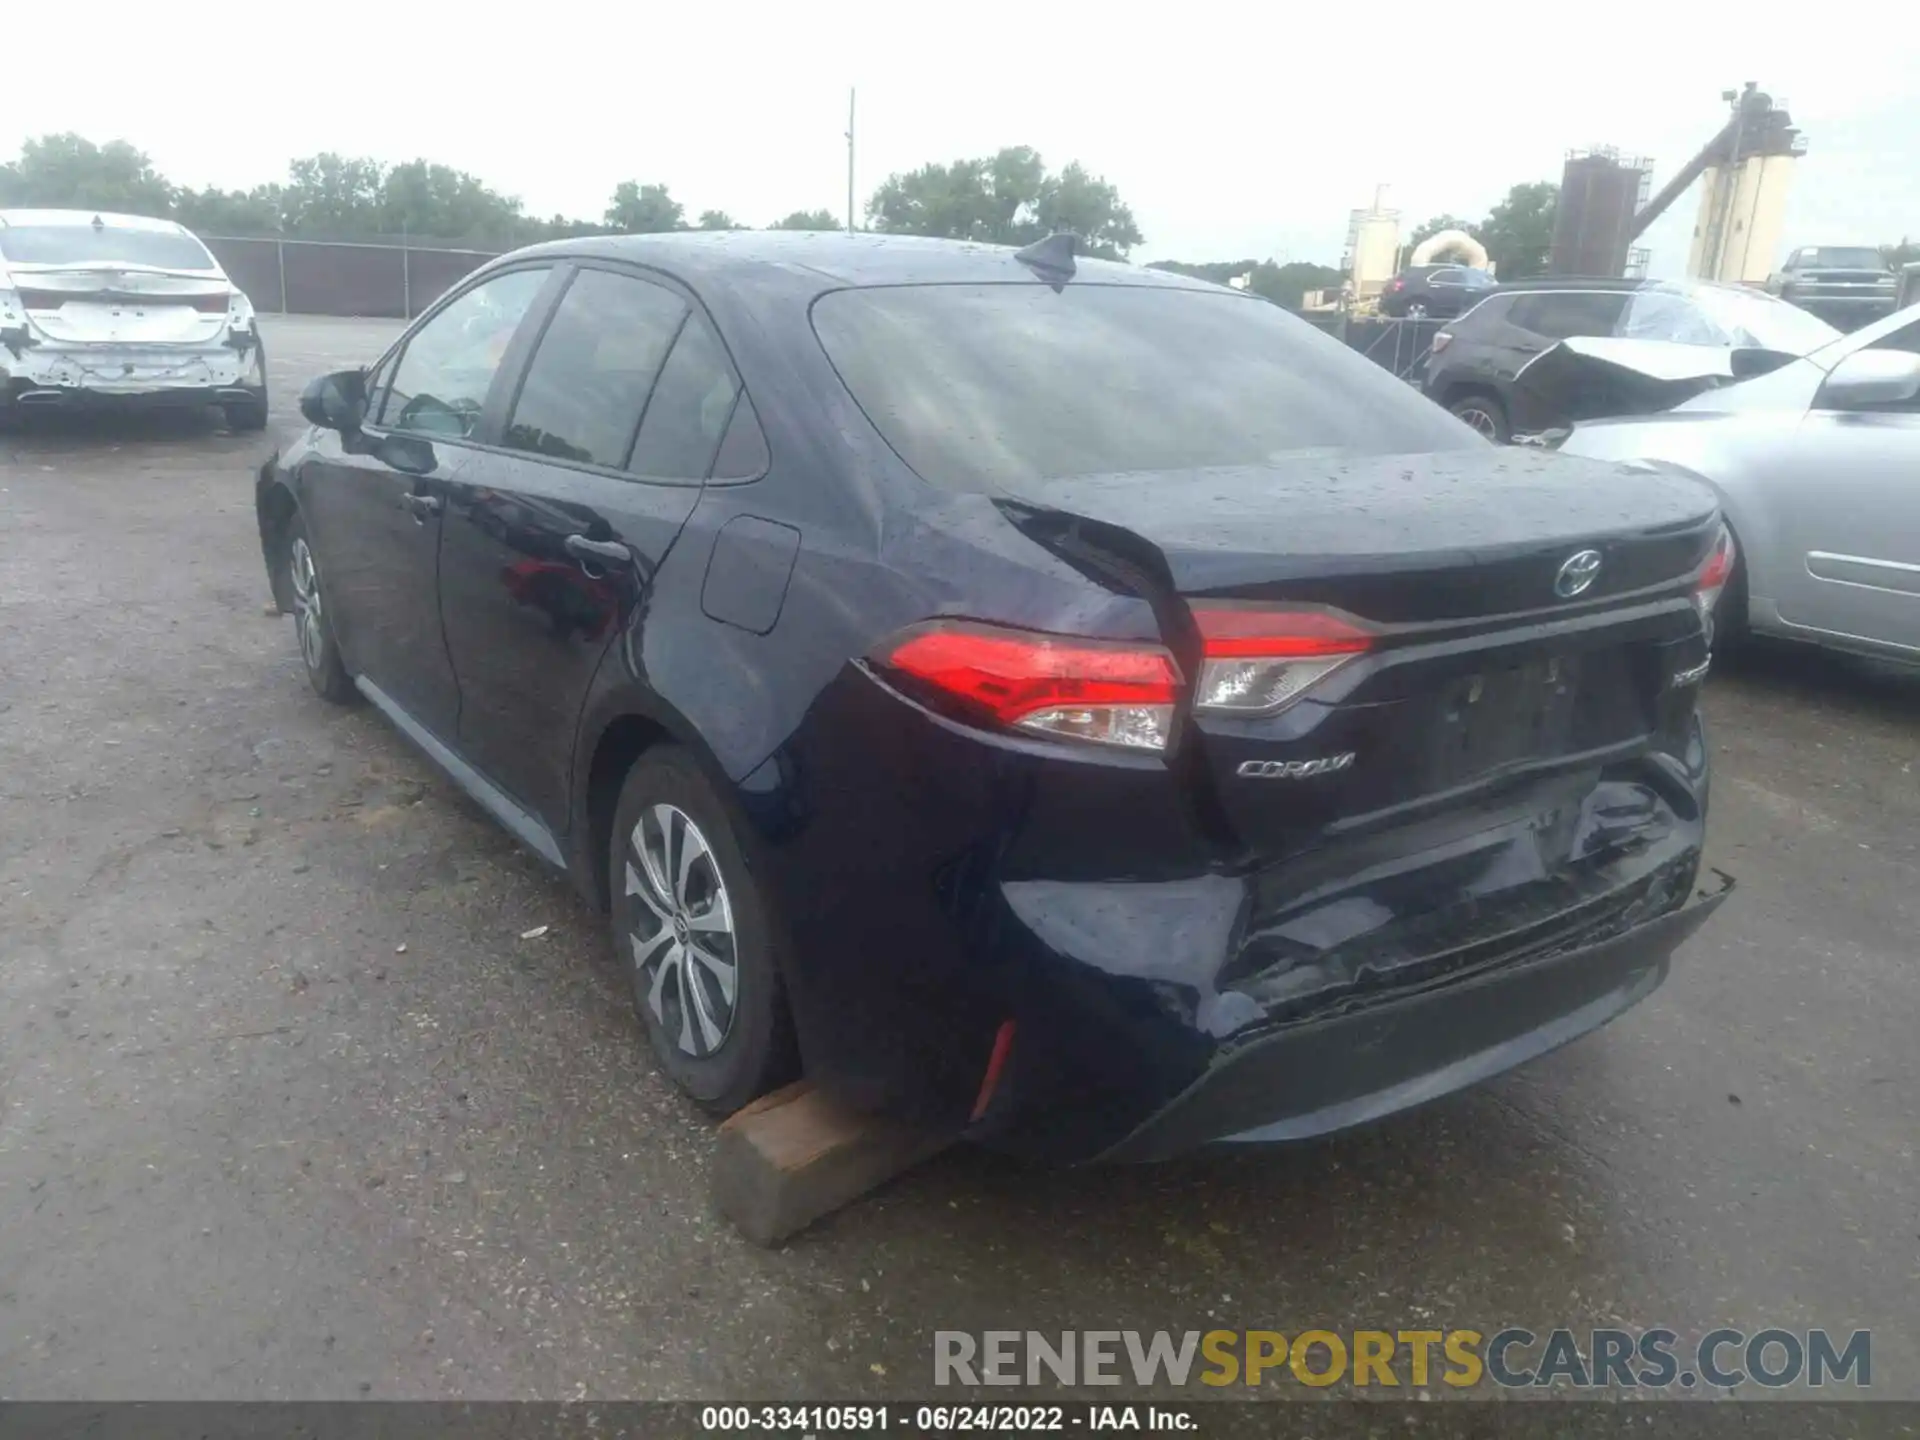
99	310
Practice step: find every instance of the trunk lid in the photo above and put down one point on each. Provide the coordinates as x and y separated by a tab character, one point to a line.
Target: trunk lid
123	305
1476	668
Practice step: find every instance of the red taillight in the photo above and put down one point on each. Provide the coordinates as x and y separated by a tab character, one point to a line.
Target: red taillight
1259	660
1714	573
1110	693
212	304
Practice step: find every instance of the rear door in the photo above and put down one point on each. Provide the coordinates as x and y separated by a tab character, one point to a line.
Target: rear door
553	537
1539	321
375	527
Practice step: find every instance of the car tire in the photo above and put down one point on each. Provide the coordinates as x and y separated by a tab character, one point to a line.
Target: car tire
313	626
1485	414
694	936
1730	617
250	415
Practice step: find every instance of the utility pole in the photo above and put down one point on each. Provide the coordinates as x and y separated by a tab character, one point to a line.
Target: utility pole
850	95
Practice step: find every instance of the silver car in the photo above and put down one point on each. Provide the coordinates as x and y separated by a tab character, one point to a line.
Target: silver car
1818	468
99	309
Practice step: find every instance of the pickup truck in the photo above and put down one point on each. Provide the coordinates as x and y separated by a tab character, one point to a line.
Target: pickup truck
1847	285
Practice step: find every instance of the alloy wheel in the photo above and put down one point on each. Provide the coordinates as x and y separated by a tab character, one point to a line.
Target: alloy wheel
306	604
685	965
1480	420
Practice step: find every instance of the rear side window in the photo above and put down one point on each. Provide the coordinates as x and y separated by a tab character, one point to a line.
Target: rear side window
107	245
1563	314
1493	308
598	360
690	408
980	386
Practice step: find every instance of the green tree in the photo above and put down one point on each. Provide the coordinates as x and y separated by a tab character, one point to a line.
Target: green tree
1088	206
1518	231
559	227
1008	199
644	209
717	220
333	195
70	171
807	220
230	212
1282	284
421	198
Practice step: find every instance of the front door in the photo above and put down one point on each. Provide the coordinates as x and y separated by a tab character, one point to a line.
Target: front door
374	501
549	551
1852	516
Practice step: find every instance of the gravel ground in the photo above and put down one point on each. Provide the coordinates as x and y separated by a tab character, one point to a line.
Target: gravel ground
289	1109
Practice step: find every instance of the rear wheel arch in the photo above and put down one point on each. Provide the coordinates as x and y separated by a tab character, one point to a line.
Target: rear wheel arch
275	507
611	745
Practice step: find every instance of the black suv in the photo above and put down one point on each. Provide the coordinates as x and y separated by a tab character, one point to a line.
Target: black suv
1441	291
1475	360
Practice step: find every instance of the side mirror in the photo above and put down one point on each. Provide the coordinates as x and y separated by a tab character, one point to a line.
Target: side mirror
337	401
1869	379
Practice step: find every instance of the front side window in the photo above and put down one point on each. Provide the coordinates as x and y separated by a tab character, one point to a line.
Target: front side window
1906	338
982	387
440	384
1669	315
595	366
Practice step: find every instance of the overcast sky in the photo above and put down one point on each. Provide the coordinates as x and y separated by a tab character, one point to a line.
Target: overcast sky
1232	131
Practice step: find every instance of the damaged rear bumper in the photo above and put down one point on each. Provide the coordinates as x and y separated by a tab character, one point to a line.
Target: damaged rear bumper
1327	1074
72	376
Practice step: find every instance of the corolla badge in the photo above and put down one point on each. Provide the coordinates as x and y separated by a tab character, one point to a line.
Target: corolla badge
1577	572
1294	769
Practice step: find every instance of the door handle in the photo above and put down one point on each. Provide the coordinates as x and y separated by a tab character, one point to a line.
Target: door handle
422	506
598	552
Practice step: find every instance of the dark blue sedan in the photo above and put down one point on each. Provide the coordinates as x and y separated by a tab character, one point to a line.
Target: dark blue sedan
1060	702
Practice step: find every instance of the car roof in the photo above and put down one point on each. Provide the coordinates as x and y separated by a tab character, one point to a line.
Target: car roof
87	217
813	261
1615	282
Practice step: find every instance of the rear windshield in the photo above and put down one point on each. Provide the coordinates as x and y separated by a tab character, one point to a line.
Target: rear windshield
1840	257
107	245
979	386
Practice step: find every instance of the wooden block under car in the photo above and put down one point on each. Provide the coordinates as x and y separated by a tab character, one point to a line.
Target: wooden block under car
795	1155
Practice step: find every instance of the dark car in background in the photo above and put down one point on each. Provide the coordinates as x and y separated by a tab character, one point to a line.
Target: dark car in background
1849	285
1644	345
1063	703
1440	291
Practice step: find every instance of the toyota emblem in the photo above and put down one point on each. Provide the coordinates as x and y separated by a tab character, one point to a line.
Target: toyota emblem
1577	574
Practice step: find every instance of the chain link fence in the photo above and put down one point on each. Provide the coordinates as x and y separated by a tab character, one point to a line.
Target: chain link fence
368	278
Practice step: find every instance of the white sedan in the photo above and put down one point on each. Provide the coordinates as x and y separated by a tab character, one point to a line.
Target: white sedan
1818	468
100	309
